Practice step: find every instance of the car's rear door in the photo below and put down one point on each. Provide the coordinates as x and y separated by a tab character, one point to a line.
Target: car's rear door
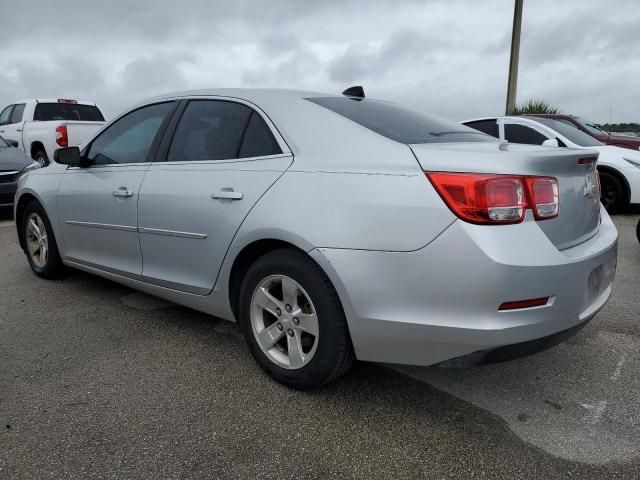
98	204
217	159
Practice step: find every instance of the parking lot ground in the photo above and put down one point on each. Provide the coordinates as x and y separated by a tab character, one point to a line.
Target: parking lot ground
99	381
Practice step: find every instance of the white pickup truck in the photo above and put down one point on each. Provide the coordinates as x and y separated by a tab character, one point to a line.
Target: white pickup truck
40	126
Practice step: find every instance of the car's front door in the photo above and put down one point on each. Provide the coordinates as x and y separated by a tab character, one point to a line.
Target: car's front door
98	203
220	159
12	130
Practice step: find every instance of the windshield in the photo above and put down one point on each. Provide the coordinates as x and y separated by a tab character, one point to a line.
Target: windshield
571	133
590	126
400	124
67	111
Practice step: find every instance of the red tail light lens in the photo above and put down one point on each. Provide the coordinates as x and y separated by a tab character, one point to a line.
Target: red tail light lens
482	198
61	136
497	199
545	200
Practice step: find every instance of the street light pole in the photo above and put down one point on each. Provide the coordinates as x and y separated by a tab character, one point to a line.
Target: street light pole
515	54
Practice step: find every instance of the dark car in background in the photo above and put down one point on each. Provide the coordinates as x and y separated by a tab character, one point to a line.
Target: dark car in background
624	141
13	162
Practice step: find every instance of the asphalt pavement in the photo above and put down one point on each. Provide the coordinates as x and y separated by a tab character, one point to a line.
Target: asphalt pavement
99	381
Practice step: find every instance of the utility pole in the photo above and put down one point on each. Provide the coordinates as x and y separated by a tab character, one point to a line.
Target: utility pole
515	54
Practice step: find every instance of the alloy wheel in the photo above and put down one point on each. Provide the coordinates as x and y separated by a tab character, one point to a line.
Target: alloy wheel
37	241
284	322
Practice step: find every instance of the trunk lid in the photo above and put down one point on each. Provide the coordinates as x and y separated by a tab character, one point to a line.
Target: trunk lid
579	215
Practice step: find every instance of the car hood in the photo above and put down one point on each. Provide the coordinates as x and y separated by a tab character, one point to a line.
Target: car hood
13	159
611	153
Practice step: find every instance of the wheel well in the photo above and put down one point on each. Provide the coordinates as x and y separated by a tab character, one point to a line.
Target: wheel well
245	259
22	203
619	176
37	147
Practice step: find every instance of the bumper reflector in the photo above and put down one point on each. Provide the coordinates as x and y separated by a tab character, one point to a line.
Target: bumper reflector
534	302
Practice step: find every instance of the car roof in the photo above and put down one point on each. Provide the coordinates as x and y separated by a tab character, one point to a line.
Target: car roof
53	100
249	94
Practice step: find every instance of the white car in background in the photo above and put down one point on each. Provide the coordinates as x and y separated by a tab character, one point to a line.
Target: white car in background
619	168
39	127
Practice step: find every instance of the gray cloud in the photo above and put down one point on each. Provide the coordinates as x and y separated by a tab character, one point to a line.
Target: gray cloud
450	57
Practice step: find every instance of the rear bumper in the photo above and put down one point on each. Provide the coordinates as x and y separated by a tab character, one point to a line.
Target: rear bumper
7	193
441	302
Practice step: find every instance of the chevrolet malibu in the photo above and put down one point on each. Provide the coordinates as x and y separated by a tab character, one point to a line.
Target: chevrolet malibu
330	227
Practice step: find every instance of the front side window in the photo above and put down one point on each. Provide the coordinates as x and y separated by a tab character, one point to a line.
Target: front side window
129	138
399	123
515	133
572	133
5	115
18	110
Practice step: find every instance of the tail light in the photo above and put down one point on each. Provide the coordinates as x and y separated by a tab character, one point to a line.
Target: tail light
545	200
62	139
497	199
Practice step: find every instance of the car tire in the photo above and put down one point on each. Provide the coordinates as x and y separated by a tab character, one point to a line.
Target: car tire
41	248
298	358
638	231
613	192
41	158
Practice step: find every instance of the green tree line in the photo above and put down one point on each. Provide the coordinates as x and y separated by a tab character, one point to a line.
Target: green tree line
621	127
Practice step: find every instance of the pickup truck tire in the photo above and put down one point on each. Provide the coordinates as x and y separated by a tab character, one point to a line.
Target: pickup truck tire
41	158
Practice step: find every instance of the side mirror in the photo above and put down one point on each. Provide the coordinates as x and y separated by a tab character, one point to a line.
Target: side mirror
68	156
551	142
12	143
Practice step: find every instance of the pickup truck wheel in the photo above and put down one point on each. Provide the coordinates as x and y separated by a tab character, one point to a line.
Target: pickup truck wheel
41	158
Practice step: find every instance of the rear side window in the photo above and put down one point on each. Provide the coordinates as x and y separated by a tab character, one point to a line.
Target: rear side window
18	110
515	133
490	127
258	140
220	130
45	112
398	123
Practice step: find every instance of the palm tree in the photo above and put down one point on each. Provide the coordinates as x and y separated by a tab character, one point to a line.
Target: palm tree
535	106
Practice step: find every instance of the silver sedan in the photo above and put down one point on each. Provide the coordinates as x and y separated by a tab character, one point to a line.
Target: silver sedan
331	227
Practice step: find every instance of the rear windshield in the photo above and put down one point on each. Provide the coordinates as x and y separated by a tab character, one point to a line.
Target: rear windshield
400	124
572	133
67	111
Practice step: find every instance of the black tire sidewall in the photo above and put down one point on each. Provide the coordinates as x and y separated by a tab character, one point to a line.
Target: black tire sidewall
43	156
331	321
54	264
606	177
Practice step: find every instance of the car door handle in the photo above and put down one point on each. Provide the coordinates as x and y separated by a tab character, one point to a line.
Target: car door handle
18	129
123	192
227	194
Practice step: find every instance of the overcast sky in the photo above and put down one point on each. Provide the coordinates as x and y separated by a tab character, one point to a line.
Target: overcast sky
447	57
